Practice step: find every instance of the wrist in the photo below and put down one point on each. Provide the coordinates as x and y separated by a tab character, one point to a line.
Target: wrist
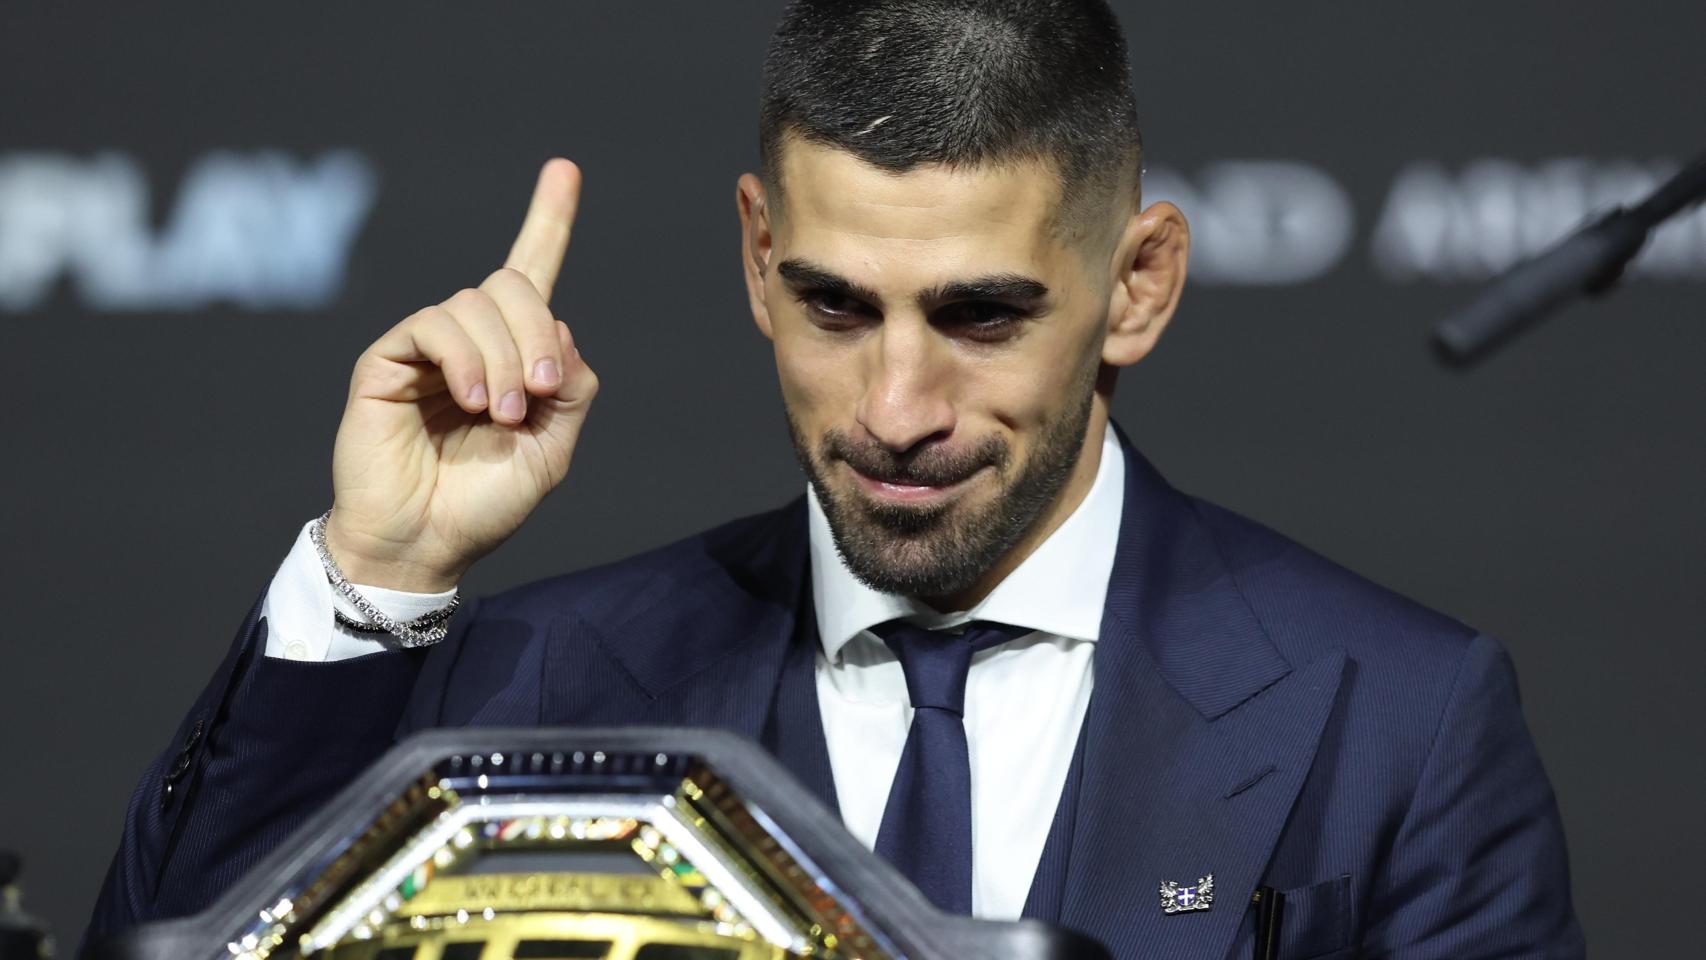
370	561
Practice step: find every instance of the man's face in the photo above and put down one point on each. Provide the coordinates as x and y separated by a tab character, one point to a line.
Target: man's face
938	339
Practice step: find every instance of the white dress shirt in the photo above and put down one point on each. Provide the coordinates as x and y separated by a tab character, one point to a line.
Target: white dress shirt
298	608
1025	700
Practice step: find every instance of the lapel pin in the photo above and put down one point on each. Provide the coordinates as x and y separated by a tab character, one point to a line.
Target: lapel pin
1177	898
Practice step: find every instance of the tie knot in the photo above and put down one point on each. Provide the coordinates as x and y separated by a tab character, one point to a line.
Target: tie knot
936	662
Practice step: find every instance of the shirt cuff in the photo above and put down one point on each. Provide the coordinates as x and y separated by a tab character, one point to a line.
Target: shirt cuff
298	609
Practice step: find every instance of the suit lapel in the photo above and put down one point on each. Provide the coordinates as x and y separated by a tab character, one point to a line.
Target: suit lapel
793	730
705	648
1199	734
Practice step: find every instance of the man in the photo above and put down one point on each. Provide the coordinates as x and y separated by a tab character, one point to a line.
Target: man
1020	665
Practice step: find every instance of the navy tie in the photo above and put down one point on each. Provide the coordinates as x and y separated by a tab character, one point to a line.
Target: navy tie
926	829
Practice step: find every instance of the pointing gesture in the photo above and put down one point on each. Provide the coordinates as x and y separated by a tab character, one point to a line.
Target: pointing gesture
544	238
462	417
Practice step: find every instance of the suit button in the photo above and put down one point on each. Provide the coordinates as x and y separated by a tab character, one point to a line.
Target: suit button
181	763
180	766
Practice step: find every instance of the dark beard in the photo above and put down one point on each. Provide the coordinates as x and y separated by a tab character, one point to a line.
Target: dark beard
940	550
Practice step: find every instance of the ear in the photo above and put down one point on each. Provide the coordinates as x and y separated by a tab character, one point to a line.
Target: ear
755	242
1149	275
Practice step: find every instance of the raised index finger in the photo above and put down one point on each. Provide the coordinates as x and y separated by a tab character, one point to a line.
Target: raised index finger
544	238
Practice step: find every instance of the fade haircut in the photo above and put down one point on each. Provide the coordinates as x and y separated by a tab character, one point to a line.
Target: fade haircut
963	83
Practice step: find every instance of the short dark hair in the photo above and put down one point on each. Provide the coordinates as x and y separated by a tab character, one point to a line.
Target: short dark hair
899	83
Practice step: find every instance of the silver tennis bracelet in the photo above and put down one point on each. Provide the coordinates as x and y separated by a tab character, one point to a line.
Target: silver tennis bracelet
422	631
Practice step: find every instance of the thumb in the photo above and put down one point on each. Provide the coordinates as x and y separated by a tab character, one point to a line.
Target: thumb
558	418
579	383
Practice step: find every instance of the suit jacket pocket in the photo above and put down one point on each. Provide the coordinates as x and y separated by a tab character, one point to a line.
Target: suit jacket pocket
1317	919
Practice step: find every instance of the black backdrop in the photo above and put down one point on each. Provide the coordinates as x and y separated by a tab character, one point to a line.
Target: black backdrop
169	426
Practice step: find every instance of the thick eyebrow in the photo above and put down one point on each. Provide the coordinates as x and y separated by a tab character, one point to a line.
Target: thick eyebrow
805	275
1010	287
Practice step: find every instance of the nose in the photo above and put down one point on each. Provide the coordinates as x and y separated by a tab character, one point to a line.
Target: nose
908	393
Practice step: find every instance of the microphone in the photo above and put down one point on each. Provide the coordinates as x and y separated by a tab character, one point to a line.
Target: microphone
1588	261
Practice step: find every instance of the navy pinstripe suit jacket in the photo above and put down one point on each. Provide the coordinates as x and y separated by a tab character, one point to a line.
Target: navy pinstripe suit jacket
1258	713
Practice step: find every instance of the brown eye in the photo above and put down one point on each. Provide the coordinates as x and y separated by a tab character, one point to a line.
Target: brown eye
833	304
979	320
834	311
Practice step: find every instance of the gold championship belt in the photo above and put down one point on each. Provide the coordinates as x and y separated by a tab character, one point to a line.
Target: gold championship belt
534	844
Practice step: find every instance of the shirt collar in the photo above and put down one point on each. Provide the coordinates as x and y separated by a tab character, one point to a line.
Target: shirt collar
1059	589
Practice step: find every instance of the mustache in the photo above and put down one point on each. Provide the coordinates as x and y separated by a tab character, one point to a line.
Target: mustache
933	465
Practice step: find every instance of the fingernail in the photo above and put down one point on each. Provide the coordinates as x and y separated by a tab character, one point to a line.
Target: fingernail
477	395
545	372
511	406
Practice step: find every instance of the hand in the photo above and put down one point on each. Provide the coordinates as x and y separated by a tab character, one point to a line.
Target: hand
462	417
